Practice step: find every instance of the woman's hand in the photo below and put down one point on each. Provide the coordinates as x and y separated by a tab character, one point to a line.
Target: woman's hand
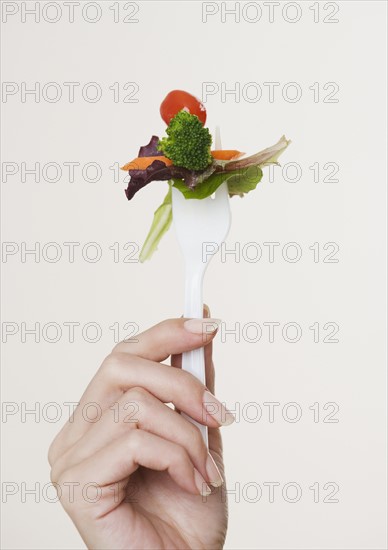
138	475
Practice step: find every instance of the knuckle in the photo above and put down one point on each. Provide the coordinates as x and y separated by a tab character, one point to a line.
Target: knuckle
185	382
135	441
51	453
63	482
190	379
56	448
133	402
112	366
54	474
137	394
179	455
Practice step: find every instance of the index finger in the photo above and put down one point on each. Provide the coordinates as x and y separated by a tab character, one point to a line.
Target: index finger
170	337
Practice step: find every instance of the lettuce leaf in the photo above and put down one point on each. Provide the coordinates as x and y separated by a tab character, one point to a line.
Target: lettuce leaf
159	171
241	176
151	149
244	181
262	158
203	189
239	182
160	225
202	184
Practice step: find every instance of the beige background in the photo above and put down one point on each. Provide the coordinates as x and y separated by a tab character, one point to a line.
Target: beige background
170	47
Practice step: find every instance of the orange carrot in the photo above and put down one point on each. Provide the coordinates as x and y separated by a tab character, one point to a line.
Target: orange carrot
226	154
142	163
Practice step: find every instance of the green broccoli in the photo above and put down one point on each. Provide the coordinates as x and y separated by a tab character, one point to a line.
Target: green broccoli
188	142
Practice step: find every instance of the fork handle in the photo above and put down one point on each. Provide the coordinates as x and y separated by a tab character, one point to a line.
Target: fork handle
194	361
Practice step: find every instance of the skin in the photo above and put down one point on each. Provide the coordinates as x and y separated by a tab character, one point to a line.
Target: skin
145	457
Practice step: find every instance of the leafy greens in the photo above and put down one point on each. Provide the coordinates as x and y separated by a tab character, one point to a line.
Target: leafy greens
241	176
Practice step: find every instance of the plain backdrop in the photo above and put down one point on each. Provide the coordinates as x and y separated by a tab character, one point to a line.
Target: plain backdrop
323	451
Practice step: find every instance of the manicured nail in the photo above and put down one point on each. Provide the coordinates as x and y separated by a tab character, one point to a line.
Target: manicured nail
202	326
213	472
202	486
206	310
216	409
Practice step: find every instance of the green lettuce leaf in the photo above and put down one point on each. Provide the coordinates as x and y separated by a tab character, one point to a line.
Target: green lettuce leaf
244	181
239	182
160	225
203	189
241	176
262	158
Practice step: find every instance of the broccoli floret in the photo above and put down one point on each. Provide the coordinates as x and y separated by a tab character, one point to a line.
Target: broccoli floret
188	142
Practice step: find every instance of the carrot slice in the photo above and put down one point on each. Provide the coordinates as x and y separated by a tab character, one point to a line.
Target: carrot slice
226	154
142	163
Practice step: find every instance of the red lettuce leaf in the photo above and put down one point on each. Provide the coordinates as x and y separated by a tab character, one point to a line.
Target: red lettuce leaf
159	171
140	178
151	149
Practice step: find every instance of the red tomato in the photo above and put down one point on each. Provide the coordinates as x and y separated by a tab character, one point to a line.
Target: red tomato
177	100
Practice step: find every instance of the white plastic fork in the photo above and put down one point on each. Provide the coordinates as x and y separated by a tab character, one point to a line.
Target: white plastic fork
201	227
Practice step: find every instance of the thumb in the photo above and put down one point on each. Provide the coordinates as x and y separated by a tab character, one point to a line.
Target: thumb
208	350
215	441
176	359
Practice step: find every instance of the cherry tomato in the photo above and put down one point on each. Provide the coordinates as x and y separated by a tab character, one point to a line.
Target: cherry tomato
177	100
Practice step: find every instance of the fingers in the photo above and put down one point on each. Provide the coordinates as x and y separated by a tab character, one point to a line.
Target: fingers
176	360
122	371
156	343
121	458
139	409
214	435
170	337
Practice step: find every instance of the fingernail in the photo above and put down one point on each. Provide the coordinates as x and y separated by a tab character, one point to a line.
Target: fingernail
213	472
206	310
201	484
202	326
216	409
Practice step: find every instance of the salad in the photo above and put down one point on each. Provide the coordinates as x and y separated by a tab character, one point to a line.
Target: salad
185	159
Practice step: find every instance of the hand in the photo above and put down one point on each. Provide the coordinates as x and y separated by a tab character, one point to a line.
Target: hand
138	475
